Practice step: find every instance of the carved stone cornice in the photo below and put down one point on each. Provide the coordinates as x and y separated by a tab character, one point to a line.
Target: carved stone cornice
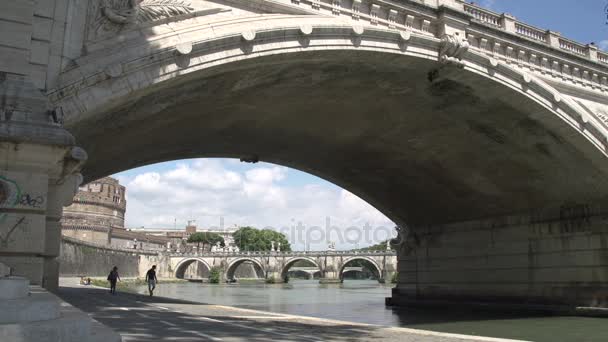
128	11
110	16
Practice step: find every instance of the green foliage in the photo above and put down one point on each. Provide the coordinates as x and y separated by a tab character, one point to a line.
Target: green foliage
252	239
214	275
271	280
206	238
395	278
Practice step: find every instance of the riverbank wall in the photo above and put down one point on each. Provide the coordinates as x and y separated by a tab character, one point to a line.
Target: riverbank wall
78	258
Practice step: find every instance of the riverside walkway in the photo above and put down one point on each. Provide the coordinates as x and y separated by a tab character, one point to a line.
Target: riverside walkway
142	318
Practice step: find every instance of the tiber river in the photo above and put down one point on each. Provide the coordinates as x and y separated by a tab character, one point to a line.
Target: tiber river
363	301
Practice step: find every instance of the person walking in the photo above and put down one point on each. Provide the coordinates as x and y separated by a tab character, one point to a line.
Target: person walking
151	279
113	277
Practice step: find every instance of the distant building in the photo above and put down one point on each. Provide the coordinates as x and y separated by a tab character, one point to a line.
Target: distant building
178	237
99	203
98	216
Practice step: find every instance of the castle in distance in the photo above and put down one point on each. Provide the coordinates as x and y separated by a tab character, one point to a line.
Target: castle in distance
97	216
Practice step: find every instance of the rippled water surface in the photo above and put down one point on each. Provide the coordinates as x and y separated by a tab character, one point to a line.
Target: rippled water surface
363	301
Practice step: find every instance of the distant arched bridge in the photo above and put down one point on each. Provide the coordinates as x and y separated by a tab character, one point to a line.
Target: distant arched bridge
275	265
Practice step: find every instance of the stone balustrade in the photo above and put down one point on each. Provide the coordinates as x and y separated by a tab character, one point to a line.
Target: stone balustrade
483	15
286	254
546	51
602	57
231	253
530	32
401	16
522	29
572	46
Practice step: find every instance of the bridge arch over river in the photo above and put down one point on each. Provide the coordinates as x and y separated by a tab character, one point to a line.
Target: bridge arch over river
375	268
234	264
275	265
483	135
290	263
182	266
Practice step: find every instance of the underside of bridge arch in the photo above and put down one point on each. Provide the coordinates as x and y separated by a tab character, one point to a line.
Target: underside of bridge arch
497	189
300	274
421	152
363	263
257	268
355	274
192	268
306	262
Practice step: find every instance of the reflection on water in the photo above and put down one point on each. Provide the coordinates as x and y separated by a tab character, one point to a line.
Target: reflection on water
363	301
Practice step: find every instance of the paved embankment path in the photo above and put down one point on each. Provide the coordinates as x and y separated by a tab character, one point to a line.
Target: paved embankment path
142	318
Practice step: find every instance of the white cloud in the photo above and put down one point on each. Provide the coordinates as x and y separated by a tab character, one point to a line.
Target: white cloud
204	174
263	196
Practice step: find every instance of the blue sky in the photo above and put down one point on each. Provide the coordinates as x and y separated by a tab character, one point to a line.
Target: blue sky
211	190
583	21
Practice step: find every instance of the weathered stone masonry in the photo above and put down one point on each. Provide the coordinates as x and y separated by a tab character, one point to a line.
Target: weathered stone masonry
437	112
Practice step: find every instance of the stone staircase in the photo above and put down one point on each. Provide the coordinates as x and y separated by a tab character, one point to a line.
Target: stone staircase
30	313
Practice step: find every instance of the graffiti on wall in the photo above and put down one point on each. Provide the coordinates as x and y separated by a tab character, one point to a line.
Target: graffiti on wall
31	201
10	196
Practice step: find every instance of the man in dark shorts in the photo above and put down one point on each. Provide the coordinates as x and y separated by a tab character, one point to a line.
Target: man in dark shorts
151	279
113	277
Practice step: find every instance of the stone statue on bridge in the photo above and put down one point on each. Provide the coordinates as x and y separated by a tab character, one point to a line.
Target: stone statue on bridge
331	246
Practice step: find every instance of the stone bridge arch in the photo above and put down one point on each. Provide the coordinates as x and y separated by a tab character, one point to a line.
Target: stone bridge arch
182	266
376	268
234	264
465	132
289	263
158	89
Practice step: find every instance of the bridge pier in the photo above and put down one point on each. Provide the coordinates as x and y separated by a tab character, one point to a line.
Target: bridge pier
275	277
553	259
331	275
388	276
39	175
330	281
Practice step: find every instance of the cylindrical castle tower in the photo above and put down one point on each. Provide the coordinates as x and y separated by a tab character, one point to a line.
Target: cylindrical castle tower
98	206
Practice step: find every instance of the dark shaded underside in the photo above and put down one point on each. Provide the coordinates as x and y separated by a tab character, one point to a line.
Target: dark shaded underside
372	123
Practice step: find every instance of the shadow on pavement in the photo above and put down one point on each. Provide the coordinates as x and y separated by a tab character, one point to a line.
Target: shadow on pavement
140	318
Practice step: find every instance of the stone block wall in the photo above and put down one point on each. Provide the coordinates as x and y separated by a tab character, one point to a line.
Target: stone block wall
83	260
32	38
40	163
88	234
99	203
558	257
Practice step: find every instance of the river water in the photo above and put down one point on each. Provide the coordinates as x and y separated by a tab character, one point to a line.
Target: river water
363	301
